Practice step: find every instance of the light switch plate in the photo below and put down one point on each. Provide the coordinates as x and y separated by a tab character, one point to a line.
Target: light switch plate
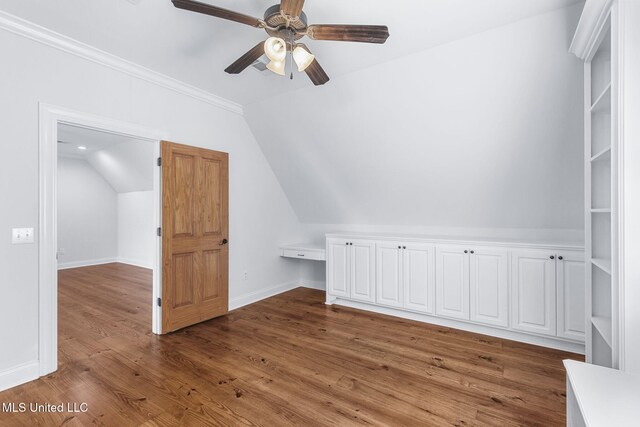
20	236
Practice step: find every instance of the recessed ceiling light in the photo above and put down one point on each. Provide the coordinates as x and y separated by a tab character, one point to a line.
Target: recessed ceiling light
81	147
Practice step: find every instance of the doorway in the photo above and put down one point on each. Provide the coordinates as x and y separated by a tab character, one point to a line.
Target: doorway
58	124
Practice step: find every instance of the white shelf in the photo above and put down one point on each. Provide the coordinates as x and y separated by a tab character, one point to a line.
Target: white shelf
601	210
602	155
603	326
602	264
603	396
603	102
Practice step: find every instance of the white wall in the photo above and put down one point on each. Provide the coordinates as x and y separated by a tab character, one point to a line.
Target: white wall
87	215
478	136
260	215
136	232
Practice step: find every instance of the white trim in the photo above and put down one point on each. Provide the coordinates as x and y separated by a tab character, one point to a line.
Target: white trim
312	284
85	263
558	344
19	375
593	17
29	30
135	262
49	118
253	297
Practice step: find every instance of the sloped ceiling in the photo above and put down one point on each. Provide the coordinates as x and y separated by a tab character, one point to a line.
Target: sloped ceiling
482	132
196	48
125	163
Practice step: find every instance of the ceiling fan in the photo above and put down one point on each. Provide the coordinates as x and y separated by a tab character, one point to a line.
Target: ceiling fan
286	23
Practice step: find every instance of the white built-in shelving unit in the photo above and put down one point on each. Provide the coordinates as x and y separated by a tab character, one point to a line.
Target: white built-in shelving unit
600	200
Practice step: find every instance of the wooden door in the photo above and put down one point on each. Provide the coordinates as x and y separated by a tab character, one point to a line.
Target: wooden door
195	217
489	286
362	270
338	267
388	274
419	277
533	291
570	280
452	282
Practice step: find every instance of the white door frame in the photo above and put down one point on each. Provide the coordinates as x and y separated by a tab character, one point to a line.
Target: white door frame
50	117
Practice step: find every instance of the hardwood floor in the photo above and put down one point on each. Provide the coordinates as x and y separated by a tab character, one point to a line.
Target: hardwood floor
287	360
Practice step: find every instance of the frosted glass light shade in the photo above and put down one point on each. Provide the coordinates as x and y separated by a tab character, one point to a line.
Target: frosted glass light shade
277	67
275	48
302	58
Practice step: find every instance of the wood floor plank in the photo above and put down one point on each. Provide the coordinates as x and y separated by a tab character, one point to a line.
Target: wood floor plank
289	360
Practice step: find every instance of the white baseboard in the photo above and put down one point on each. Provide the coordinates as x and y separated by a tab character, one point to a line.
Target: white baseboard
85	263
136	263
19	375
312	284
549	342
256	296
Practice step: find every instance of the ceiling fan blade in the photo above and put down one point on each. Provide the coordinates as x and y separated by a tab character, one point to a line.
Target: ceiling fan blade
292	8
349	33
247	59
315	71
218	12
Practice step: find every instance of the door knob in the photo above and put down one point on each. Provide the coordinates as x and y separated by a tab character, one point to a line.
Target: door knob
224	242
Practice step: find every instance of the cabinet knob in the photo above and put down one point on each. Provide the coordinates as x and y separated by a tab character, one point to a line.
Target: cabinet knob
351	243
466	251
404	247
399	247
472	252
552	257
560	258
347	243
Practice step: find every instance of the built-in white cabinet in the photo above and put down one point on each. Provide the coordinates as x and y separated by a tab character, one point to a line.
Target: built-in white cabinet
533	289
472	284
419	277
548	293
388	274
489	286
570	284
452	282
353	269
405	276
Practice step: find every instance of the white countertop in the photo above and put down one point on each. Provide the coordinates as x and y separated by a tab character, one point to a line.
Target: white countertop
500	241
606	397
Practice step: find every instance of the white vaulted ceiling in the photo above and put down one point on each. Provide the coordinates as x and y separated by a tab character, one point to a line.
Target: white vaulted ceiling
197	48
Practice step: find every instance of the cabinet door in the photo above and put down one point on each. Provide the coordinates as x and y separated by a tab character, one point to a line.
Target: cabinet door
489	286
533	288
338	268
388	276
362	260
570	273
419	277
452	282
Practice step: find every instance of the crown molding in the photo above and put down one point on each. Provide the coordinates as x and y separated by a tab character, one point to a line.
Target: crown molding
21	27
592	20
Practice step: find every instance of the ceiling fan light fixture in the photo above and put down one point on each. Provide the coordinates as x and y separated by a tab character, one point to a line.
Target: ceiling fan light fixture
275	48
302	57
277	67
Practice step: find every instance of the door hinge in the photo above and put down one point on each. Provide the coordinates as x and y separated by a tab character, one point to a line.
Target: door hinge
159	302
159	161
159	231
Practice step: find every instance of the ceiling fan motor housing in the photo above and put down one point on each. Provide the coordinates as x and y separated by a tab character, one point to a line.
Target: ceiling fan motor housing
274	19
